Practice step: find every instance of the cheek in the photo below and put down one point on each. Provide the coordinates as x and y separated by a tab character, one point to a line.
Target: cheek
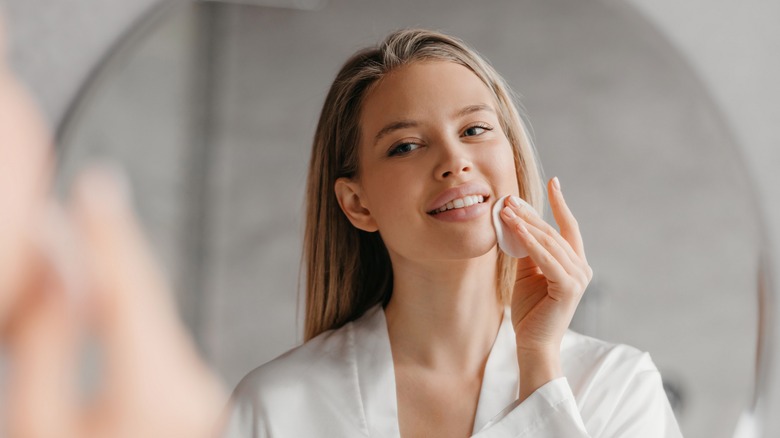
501	161
392	196
503	172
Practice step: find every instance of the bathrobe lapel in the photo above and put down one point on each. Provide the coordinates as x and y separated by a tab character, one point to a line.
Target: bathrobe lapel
375	375
500	385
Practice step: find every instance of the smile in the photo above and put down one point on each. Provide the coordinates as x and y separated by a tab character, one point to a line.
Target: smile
463	202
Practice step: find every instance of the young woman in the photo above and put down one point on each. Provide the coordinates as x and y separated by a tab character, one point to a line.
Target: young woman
417	324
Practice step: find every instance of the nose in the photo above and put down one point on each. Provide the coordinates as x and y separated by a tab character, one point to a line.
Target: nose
454	160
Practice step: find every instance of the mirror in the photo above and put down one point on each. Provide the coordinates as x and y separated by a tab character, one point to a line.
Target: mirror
211	108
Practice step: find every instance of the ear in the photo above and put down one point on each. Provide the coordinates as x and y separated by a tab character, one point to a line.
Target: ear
349	194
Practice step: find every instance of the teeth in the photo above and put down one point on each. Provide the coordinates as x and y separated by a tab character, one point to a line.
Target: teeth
462	202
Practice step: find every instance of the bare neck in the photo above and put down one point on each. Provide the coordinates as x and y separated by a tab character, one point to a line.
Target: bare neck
444	316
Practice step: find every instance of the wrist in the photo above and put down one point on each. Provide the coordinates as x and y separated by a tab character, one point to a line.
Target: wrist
537	368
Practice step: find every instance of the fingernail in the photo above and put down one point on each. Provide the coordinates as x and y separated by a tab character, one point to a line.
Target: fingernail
522	228
508	211
556	184
514	200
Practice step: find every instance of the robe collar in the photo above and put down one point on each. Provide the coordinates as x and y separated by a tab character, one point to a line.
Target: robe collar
375	374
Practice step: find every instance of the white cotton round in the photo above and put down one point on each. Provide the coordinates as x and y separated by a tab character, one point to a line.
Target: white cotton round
506	237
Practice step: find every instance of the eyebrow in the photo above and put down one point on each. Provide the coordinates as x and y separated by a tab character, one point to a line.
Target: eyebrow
406	123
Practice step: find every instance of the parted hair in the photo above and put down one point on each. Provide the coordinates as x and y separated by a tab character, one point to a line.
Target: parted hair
348	270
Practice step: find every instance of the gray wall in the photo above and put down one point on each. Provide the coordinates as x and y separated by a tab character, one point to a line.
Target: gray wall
64	36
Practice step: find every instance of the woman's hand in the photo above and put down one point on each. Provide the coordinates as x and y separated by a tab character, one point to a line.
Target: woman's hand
548	287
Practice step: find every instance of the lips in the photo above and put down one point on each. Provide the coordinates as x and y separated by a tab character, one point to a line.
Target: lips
467	189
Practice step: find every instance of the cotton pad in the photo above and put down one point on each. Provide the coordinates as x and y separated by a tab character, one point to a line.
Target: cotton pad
506	238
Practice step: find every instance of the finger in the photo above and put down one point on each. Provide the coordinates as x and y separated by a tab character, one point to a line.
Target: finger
24	173
553	246
147	347
546	262
42	341
530	217
570	229
128	292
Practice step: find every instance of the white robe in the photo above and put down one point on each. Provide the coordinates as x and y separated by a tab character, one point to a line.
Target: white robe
342	384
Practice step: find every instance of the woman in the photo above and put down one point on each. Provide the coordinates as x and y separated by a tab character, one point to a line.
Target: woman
416	323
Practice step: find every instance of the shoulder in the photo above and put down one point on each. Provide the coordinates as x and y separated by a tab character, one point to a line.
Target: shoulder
617	387
580	350
296	369
605	372
314	381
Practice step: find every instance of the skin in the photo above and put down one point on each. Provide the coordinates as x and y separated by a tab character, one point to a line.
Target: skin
24	159
84	271
444	313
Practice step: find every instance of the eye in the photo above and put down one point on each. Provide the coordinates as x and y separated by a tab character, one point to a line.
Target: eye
403	148
476	130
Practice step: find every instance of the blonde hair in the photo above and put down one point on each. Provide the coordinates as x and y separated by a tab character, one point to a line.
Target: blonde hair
348	270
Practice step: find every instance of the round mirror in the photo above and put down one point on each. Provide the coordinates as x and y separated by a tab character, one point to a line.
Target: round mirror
211	108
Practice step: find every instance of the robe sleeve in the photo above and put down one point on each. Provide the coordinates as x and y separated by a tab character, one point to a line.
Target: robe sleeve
641	411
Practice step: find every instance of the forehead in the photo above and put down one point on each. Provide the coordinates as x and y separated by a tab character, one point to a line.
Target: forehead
422	90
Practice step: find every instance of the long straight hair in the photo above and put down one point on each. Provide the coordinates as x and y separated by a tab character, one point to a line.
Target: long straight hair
347	269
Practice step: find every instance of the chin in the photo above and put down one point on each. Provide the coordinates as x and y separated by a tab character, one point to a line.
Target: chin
469	247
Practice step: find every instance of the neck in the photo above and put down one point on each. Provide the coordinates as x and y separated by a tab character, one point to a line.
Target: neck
444	315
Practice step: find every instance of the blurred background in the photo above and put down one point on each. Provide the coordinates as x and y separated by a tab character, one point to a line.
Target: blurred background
657	116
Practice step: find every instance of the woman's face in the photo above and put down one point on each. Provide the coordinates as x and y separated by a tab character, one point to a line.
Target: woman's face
430	136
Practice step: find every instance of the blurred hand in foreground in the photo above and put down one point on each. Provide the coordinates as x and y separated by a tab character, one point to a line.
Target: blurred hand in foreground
83	271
